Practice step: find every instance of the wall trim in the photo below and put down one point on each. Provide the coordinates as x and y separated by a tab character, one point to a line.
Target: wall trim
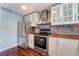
8	48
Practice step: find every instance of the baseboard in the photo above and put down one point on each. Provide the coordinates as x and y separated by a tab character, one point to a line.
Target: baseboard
8	48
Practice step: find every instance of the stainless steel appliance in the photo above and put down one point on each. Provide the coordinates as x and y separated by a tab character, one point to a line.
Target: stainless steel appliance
41	40
45	14
22	36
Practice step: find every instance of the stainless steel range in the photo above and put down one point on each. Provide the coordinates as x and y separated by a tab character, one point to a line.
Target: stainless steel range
41	40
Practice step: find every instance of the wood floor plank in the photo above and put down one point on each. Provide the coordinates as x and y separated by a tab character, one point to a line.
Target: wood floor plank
17	51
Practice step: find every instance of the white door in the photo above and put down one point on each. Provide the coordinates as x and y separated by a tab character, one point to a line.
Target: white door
67	47
52	46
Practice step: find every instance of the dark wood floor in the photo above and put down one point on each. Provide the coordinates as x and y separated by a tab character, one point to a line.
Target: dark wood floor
17	51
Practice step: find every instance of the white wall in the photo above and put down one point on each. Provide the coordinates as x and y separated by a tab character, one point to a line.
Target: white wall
8	29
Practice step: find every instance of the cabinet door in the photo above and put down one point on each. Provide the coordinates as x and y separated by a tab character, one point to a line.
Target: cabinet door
59	47
67	47
19	27
31	20
59	13
53	15
64	6
77	12
31	41
34	19
22	42
56	14
68	12
52	46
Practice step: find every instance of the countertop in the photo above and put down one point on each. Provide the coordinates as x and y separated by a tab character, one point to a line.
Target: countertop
61	36
64	36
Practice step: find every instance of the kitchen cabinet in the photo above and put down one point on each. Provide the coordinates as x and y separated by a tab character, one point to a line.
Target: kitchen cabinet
56	14
63	46
31	41
68	12
67	45
33	18
52	46
21	27
77	12
22	42
22	33
65	13
28	25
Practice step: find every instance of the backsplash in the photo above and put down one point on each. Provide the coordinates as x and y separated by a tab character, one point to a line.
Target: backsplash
65	29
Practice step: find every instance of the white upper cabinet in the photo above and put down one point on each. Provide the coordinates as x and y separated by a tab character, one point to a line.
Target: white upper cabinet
56	14
33	18
66	13
77	12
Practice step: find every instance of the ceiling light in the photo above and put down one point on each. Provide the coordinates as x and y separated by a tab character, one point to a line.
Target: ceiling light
23	7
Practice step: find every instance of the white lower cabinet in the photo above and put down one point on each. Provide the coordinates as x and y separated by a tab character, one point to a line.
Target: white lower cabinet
63	47
52	46
31	41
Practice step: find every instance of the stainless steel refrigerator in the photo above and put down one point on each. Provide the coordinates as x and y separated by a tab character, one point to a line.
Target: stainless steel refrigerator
22	33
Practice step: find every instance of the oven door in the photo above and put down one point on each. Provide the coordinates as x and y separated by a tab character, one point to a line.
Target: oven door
40	42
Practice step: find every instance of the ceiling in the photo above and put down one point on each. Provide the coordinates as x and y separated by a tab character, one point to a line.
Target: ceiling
30	7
